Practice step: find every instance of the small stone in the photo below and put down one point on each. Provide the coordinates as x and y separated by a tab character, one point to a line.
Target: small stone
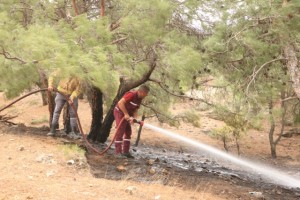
46	159
257	194
150	162
121	168
11	139
165	172
29	197
157	160
278	192
157	197
70	162
130	189
125	164
152	171
21	148
64	141
91	185
164	150
9	158
50	173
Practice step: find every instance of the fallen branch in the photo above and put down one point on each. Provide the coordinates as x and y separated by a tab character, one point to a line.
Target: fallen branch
6	119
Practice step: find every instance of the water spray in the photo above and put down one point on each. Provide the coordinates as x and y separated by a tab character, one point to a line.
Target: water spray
273	175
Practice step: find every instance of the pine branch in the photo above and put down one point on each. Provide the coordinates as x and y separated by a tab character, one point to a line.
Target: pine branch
146	75
178	95
157	113
119	40
9	57
255	73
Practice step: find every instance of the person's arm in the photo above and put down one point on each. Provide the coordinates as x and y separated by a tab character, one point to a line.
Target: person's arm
122	107
76	92
135	114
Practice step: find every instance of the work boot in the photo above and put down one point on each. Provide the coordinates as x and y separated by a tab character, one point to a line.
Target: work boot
119	156
75	133
52	131
118	147
126	145
128	155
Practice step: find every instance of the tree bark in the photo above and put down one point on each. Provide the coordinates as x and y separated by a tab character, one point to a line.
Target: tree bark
75	7
293	68
103	134
272	130
96	101
43	83
102	11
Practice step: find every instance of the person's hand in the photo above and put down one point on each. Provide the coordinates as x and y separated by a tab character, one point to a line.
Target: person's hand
70	101
126	117
50	89
131	120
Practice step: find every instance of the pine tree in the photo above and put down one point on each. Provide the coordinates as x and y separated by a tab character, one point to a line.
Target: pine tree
136	42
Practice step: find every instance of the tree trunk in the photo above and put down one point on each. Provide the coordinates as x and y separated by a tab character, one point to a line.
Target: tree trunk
272	130
293	68
102	11
109	119
140	131
237	145
43	83
96	101
273	150
225	143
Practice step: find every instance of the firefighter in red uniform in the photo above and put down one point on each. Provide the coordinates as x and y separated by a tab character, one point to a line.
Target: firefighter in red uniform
127	108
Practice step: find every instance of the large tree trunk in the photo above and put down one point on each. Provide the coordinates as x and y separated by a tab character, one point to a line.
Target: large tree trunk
95	98
109	118
293	68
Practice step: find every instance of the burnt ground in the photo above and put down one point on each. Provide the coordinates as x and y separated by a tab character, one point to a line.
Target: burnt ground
187	170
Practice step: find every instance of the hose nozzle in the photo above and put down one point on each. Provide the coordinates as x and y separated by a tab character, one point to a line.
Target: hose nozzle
138	122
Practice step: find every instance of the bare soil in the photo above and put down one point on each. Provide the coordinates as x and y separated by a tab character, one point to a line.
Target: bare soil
34	166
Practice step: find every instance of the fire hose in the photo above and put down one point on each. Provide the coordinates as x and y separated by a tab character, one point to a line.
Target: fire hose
77	117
